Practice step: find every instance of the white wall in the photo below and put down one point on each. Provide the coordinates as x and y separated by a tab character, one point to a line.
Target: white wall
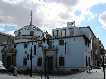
21	53
76	52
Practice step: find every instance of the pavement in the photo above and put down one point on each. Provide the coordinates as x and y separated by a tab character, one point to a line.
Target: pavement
94	74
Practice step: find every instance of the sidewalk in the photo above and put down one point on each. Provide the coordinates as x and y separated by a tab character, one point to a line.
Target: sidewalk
94	74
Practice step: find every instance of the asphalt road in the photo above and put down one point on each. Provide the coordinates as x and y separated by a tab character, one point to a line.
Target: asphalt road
95	74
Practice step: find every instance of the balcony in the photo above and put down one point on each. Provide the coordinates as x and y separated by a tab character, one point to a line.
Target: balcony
12	50
26	37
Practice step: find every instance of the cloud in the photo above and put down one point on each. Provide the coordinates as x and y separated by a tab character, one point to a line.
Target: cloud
16	14
66	2
83	5
10	32
13	1
8	28
7	18
46	12
102	19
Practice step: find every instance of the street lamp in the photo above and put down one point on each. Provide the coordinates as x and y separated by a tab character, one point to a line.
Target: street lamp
45	61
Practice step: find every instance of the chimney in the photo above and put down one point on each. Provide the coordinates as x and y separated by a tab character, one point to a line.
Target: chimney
71	24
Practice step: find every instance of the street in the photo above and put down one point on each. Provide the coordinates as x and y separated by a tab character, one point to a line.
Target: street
95	74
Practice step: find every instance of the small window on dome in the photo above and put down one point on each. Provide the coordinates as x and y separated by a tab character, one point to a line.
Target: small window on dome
31	33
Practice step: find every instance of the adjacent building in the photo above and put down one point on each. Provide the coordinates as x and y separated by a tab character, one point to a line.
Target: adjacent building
73	46
7	51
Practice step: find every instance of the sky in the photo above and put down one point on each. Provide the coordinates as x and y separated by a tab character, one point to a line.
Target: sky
51	14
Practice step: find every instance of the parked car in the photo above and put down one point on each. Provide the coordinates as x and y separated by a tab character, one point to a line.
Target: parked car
96	67
105	65
2	68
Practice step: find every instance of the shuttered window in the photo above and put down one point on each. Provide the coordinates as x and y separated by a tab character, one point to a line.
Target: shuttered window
34	49
39	62
61	61
61	42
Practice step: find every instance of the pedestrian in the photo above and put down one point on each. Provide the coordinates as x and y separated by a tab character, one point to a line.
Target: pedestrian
15	71
47	77
41	75
10	69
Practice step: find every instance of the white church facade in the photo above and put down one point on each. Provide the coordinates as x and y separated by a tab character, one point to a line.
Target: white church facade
29	45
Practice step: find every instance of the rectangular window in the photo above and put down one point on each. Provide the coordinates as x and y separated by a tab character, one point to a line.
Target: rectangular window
61	42
25	45
86	61
64	32
71	30
50	44
39	62
40	43
53	33
57	33
34	49
61	61
87	42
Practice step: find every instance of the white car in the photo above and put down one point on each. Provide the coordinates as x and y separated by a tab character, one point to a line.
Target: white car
2	68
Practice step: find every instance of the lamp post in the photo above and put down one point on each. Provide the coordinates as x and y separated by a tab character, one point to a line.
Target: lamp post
45	62
45	72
